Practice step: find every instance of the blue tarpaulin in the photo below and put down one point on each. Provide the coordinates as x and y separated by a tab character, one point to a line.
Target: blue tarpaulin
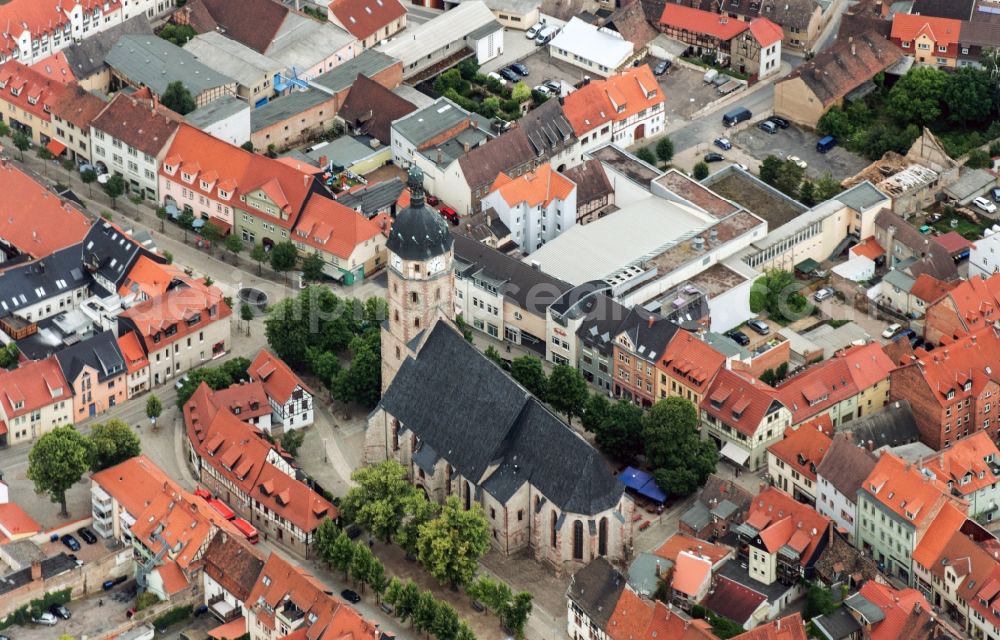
198	223
642	483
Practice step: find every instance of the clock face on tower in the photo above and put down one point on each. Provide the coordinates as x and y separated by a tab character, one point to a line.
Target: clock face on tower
435	265
396	262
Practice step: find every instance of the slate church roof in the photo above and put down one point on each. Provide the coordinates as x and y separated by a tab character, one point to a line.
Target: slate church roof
472	414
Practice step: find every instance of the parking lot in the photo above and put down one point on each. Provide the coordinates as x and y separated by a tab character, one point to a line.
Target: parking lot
543	67
838	162
91	617
686	90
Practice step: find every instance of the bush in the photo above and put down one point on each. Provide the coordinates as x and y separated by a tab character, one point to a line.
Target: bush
23	615
145	600
172	617
979	159
700	171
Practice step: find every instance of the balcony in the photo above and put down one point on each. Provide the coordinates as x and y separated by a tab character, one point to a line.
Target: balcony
101	498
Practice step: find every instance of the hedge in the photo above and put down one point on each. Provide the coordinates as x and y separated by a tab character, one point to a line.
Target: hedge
33	609
173	616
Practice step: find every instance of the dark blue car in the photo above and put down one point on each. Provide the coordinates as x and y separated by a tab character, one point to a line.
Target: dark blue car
520	69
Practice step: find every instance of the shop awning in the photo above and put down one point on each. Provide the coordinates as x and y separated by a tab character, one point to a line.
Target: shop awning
807	266
231	630
55	147
653	491
198	223
736	453
642	483
172	210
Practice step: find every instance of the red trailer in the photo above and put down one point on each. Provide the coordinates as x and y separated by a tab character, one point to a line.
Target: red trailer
247	529
222	508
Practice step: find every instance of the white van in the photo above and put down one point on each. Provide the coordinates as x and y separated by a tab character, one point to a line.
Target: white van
545	35
533	30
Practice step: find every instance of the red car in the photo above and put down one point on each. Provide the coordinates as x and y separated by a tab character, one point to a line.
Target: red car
432	200
449	214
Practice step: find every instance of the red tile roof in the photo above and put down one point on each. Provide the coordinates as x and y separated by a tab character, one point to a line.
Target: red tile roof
599	102
976	301
77	106
536	188
40	17
55	67
734	601
963	466
710	23
901	488
691	573
149	278
278	379
987	600
245	400
782	520
930	289
951	367
630	618
15	521
31	386
802	449
738	401
363	18
138	120
331	227
870	249
942	31
666	624
679	542
948	520
132	352
787	628
187	309
134	483
173	578
30	90
895	606
952	242
691	361
765	32
38	222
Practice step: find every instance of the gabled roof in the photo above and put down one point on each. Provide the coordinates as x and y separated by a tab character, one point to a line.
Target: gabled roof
32	386
99	352
149	61
110	252
739	401
787	628
150	278
506	152
691	361
845	66
37	222
132	352
630	618
30	90
630	21
942	31
251	22
596	589
77	106
234	564
733	600
371	107
976	301
781	521
277	377
616	98
134	483
902	489
962	368
86	57
929	289
892	426
968	465
506	430
648	333
846	465
245	400
691	572
591	181
710	23
15	522
680	543
537	188
893	607
363	18
187	308
331	227
765	32
138	122
803	449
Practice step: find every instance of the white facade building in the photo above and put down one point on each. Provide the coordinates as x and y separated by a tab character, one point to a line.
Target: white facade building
596	50
536	207
984	257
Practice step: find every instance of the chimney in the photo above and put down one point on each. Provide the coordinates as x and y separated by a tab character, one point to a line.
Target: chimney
439	157
465	146
489	220
36	570
323	160
651	320
854	51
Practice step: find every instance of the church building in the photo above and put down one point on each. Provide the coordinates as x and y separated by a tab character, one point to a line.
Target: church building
462	427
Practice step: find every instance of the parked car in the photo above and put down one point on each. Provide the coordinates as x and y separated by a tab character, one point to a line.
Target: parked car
46	619
985	205
934	217
87	535
542	89
891	330
555	86
739	338
759	326
509	74
180	382
533	30
449	214
496	76
995	194
723	143
661	67
200	610
768	127
71	543
432	200
713	157
60	611
799	162
781	122
826	143
520	69
737	115
823	294
351	596
108	585
3	637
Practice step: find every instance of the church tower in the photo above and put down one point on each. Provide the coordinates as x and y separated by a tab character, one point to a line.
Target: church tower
421	277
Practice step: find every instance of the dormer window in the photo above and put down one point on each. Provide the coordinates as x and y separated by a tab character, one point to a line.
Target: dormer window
169	168
225	195
46	108
18	405
32	100
967	386
187	177
621	108
950	394
205	185
14	91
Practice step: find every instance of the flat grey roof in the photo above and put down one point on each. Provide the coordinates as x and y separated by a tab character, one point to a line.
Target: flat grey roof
367	63
232	58
155	63
285	107
424	124
346	150
301	42
862	197
215	111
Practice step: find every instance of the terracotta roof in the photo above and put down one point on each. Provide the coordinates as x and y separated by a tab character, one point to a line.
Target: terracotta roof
278	378
631	617
950	368
37	223
149	278
845	66
281	584
138	121
291	499
132	352
134	482
963	466
739	401
802	449
363	18
733	600
987	600
630	21
30	90
870	249
942	31
765	32
56	67
253	23
535	188
846	465
174	580
358	109
787	628
691	361
976	301
185	522
665	623
592	106
970	563
952	242
691	573
32	386
15	521
245	400
329	226
34	16
680	542
895	605
710	23
782	520
510	151
930	289
187	309
77	106
234	564
868	364
901	488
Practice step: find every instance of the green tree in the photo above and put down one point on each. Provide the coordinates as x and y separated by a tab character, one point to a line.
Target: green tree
567	391
114	188
259	255
342	553
111	443
425	612
4	130
916	97
464	632
362	381
212	233
9	356
469	68
247	146
681	460
378	499
312	267
56	462
393	593
595	411
409	601
324	540
966	95
493	355
234	370
529	372
665	149
700	171
827	187
323	363
515	616
979	159
153	408
788	178
89	177
451	545
377	579
646	155
777	292
446	622
22	142
178	34
283	257
233	245
521	92
361	565
819	601
246	315
291	441
464	327
724	627
620	435
807	193
835	122
44	155
417	510
769	169
178	98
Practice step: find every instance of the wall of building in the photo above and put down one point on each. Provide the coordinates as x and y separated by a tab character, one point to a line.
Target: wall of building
298	128
176	358
234	129
35	424
794	100
834	505
139	169
94	397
